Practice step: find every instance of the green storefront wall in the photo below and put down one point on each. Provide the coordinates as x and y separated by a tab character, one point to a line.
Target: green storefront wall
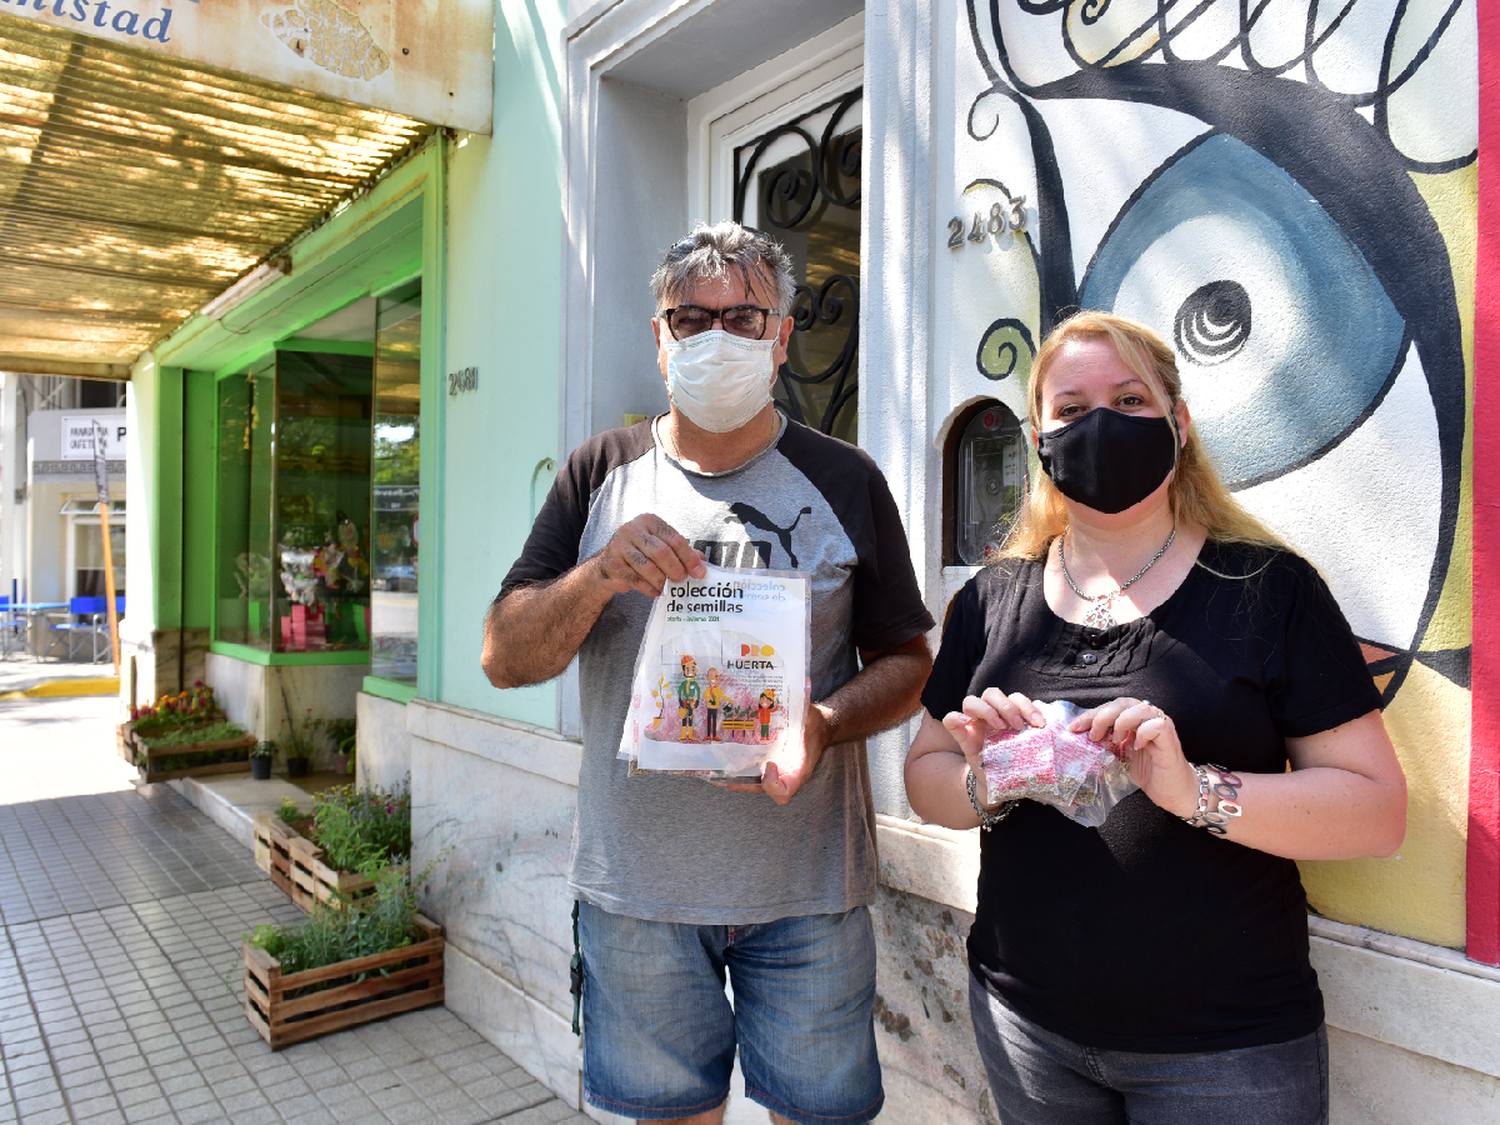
505	248
374	244
480	218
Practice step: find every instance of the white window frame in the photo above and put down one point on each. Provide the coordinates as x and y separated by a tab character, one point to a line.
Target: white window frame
750	105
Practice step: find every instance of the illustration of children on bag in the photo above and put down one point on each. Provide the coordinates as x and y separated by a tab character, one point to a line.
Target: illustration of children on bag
767	705
689	693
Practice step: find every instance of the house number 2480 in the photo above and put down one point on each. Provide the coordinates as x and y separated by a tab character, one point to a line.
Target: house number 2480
999	220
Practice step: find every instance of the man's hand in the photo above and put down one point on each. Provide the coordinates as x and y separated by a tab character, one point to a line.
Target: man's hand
787	772
532	632
885	691
645	554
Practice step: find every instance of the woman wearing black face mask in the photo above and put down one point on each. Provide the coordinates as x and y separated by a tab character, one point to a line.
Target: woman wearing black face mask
1155	968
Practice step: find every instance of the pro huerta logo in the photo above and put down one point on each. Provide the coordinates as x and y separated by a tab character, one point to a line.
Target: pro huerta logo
753	656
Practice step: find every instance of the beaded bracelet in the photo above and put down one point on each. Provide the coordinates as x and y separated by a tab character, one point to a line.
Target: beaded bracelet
1226	788
987	818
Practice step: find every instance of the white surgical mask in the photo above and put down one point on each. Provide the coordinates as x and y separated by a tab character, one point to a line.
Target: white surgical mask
720	381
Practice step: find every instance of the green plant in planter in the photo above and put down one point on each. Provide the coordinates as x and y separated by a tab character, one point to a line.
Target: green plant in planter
183	736
357	828
298	820
260	760
378	923
300	743
342	734
297	745
193	706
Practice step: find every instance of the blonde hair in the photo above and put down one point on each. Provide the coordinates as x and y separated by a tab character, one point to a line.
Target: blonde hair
1198	497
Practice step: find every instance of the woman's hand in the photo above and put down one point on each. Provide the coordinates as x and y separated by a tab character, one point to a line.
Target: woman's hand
1148	736
943	754
982	714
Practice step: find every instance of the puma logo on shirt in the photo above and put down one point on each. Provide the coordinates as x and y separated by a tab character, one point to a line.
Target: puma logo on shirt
747	516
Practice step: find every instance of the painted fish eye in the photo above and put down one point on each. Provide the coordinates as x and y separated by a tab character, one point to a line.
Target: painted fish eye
1268	392
1213	323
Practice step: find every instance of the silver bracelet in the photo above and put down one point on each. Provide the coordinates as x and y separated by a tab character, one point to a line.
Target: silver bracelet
987	818
1227	789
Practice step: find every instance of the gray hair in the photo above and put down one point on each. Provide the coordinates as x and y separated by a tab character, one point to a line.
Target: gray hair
712	252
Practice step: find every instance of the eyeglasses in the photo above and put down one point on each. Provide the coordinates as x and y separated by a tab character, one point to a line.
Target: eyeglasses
739	320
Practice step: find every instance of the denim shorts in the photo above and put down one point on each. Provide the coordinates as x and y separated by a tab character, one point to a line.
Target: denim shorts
1038	1078
659	1033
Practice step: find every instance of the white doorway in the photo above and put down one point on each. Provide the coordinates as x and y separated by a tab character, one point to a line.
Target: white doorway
781	149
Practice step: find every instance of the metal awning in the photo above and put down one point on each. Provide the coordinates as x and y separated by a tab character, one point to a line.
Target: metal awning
134	187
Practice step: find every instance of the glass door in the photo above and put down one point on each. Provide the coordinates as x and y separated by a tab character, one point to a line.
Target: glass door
246	411
322	500
398	445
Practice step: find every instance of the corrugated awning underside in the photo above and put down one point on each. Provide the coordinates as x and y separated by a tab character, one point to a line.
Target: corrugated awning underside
135	187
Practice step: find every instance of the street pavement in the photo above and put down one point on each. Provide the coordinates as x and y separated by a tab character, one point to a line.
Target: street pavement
121	915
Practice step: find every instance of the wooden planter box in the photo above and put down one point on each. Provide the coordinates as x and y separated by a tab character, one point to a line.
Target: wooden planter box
351	1001
296	865
125	736
273	837
153	754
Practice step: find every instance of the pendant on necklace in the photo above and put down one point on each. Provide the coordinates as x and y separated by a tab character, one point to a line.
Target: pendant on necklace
1099	615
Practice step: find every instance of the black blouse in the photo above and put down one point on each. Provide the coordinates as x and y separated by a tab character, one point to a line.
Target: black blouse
1147	934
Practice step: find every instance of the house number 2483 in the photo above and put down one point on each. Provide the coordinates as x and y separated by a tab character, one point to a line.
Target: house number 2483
997	222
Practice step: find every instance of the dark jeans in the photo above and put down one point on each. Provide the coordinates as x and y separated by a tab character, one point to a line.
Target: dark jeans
1038	1078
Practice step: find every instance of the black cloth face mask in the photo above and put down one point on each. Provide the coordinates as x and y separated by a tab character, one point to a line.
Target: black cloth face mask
1109	461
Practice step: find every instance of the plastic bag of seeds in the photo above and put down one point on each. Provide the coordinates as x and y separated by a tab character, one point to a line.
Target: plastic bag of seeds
1080	778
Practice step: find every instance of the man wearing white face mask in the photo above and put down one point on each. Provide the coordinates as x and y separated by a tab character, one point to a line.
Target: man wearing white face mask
681	882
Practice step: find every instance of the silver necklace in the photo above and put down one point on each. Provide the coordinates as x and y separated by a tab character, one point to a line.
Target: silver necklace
1100	615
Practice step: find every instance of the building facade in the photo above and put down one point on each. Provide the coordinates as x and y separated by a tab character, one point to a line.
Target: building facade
1301	214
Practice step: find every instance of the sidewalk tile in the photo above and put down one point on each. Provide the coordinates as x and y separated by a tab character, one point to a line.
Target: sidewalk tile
411	1113
334	1088
77	1091
182	1083
502	1102
90	1107
257	1115
357	1109
455	1105
147	1095
202	1114
44	1087
132	1079
238	1103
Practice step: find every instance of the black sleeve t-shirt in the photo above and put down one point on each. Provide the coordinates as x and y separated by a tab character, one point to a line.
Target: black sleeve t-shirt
1147	934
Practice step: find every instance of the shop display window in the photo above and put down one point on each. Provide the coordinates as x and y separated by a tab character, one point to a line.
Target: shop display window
397	485
293	502
242	562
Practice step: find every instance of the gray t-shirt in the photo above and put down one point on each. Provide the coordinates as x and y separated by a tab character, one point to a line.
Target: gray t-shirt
679	849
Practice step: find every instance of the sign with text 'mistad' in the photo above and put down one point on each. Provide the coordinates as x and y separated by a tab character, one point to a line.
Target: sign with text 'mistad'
428	59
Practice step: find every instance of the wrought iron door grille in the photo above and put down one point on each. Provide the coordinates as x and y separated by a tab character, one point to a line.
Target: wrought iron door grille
810	197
